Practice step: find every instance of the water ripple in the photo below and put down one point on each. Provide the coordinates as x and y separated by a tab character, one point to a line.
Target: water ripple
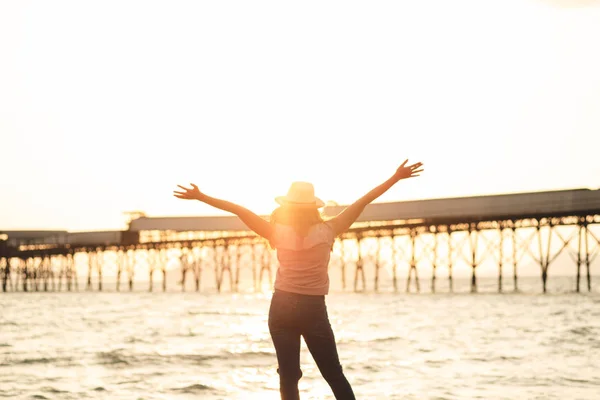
193	389
64	361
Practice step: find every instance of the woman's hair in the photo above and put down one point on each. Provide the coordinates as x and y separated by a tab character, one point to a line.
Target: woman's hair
301	218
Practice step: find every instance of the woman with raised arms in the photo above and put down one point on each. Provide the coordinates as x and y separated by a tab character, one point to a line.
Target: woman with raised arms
303	241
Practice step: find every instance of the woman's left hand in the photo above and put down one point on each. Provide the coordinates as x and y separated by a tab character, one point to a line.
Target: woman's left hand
411	171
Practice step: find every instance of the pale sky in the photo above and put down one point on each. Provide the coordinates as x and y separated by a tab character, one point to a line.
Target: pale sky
105	106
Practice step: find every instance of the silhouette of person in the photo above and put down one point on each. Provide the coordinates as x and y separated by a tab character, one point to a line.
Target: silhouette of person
303	241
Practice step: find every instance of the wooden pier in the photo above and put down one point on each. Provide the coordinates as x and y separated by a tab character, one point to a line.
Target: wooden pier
505	229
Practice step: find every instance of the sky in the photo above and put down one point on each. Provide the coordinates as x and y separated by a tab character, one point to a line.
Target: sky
106	106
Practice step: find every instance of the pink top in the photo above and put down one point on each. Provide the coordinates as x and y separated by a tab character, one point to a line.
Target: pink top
303	261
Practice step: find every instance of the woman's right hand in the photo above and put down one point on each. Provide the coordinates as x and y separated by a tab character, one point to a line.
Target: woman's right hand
192	193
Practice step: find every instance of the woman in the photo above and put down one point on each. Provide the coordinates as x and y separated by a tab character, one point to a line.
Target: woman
303	242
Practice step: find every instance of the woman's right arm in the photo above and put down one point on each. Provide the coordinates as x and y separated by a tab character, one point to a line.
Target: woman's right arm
346	218
257	224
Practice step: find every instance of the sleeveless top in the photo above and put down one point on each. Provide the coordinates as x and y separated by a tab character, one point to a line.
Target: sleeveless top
303	260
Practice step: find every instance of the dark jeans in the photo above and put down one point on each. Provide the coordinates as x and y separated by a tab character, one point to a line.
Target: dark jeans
292	315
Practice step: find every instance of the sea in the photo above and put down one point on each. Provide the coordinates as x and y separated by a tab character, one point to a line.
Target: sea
393	345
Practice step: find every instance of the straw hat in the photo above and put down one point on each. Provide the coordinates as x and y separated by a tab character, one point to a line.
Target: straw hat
300	194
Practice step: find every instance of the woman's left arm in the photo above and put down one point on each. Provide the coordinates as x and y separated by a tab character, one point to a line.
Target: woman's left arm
346	218
256	223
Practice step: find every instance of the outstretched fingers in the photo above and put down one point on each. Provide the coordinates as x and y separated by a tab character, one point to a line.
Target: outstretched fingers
180	194
187	193
185	196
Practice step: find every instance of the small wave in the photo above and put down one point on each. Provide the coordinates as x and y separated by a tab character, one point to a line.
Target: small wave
386	339
509	358
247	354
49	389
367	341
38	396
41	360
113	357
372	368
121	358
578	381
134	339
494	358
582	330
225	355
189	333
226	313
99	389
197	358
130	382
192	389
480	359
5	345
362	367
436	362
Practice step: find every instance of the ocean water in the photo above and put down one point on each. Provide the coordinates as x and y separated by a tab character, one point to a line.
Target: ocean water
174	345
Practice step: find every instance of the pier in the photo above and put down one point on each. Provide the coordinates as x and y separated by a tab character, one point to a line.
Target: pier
505	229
